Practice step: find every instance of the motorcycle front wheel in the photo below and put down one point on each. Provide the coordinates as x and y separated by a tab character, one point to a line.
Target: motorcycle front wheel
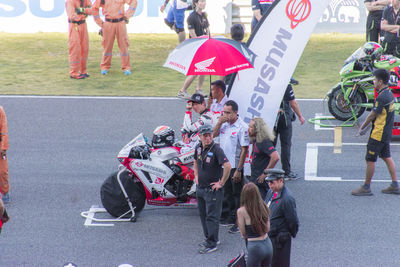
340	108
113	199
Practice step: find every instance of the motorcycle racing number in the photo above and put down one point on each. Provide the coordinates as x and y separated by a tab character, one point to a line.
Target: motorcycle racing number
159	180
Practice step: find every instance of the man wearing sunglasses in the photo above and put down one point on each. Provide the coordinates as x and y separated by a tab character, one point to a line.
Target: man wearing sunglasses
284	222
211	170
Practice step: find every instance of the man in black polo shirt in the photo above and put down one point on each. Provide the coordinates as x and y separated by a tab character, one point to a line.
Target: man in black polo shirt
390	24
381	117
375	10
211	170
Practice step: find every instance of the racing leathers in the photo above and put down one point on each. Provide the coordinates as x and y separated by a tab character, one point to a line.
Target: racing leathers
190	129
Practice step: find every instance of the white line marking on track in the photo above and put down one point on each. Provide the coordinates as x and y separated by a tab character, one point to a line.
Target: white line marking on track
311	164
90	216
319	128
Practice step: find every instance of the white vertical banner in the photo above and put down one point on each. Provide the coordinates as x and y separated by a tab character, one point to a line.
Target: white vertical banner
278	41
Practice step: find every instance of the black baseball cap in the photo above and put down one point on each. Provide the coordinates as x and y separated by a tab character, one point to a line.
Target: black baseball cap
197	98
205	129
275	174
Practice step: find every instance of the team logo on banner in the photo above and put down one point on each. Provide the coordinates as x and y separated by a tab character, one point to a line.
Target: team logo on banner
203	65
298	11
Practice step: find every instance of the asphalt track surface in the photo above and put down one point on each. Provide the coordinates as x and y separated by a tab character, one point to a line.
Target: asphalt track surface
62	149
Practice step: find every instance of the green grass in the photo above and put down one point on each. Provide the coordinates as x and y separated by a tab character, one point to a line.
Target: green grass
38	64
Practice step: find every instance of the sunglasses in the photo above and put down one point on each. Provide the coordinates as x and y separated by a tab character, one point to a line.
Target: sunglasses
270	182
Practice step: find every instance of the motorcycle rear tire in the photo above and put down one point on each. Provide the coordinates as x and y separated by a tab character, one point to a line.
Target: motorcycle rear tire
113	199
340	109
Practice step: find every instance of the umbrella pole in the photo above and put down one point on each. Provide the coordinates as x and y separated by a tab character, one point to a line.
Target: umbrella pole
210	84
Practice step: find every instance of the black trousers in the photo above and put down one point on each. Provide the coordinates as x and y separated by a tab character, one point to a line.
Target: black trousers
231	200
285	136
391	48
209	203
281	255
373	29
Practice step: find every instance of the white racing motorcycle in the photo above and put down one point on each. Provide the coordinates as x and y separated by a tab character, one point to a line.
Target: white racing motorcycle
158	173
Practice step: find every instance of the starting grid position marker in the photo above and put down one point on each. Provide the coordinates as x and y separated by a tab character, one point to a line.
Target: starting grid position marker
89	215
311	163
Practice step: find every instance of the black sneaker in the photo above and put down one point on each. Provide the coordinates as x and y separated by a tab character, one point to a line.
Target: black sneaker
294	81
234	229
205	250
204	243
291	176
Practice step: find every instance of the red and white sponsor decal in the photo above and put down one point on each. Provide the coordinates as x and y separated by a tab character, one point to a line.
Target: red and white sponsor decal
138	163
202	66
180	66
234	133
298	11
159	180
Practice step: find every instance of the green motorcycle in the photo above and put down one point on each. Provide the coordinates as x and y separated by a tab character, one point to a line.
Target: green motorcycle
356	87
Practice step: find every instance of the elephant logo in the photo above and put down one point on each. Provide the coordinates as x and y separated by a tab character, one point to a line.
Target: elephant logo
343	11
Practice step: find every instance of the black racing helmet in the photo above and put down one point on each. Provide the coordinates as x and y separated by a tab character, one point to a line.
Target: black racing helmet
163	136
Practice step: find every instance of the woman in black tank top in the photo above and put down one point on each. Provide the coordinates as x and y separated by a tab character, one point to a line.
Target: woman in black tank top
253	222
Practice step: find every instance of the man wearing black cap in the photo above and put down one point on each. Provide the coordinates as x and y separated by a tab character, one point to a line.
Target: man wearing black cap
190	128
211	170
284	222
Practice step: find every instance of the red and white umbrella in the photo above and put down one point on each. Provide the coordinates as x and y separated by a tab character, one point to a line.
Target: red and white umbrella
210	56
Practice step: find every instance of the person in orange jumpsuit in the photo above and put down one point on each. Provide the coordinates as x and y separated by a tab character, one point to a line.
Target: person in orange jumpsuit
78	38
114	25
4	186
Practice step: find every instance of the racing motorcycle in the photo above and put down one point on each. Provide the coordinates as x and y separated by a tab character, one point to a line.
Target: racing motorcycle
158	173
346	99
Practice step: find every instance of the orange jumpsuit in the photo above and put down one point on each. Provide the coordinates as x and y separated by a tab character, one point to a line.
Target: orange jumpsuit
78	38
4	186
114	26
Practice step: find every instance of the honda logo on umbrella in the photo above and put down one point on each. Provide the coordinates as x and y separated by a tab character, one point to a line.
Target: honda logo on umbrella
203	65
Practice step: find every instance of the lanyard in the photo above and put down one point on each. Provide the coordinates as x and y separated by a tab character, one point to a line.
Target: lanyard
272	198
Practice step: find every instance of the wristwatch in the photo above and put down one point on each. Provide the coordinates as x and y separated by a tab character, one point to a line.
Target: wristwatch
239	169
265	172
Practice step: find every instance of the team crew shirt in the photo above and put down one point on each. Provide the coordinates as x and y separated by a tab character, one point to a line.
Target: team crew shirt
218	107
383	123
261	156
263	5
179	4
285	105
232	138
198	23
376	14
393	19
209	163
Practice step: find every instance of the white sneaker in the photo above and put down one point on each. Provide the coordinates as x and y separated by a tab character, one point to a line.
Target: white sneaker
199	91
183	94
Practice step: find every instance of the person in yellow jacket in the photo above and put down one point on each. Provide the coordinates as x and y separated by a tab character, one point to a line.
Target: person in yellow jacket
4	185
78	38
114	25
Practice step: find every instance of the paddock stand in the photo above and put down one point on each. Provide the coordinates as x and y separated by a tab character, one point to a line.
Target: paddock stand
91	213
351	122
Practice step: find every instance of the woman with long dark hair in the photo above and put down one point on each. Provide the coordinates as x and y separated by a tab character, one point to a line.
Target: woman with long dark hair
253	222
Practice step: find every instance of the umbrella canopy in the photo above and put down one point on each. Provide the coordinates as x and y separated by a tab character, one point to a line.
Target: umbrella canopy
210	56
